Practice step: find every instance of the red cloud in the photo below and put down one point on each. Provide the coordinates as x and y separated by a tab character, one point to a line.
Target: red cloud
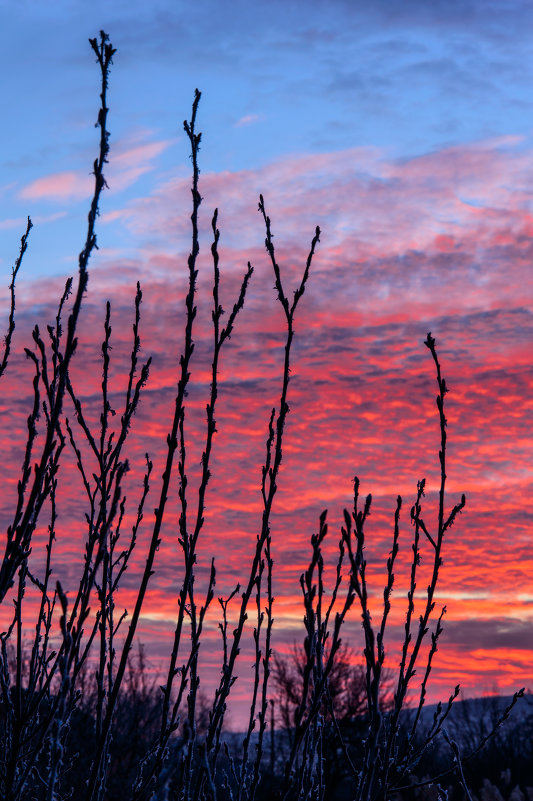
441	243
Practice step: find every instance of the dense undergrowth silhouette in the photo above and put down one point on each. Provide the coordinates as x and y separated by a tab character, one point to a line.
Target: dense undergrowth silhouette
80	716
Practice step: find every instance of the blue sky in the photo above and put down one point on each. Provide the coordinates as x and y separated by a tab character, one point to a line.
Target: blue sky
278	79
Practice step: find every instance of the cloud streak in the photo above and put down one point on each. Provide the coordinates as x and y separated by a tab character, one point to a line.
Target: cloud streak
129	163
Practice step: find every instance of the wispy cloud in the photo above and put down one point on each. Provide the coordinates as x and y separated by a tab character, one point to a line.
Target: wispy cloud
58	186
128	164
248	119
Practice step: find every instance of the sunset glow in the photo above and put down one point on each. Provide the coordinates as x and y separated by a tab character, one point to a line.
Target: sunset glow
425	227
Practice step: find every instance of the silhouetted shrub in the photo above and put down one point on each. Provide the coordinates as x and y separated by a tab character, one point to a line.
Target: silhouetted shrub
78	718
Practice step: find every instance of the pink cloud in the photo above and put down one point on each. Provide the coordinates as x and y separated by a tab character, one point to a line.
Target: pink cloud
401	253
14	222
128	164
58	186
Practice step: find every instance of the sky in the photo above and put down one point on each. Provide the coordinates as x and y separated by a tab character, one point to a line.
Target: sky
405	131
